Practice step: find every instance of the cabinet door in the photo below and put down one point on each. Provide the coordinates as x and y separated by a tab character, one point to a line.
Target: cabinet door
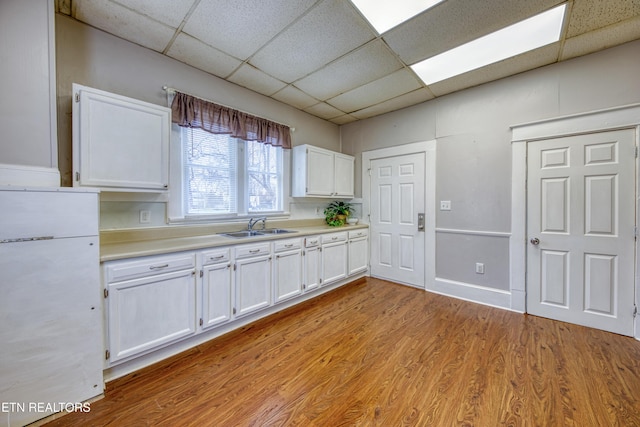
358	255
216	294
334	262
148	312
287	274
119	143
343	175
319	172
253	284
312	268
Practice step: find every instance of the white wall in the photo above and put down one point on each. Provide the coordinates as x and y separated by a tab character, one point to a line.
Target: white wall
93	58
473	161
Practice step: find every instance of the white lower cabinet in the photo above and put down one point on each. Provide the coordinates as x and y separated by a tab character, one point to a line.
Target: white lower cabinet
150	302
217	287
287	269
334	257
154	301
252	278
312	263
358	251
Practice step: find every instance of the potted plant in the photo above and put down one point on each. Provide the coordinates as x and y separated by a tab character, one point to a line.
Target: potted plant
337	212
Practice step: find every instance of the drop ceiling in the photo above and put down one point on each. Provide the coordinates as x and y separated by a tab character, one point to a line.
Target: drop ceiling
325	58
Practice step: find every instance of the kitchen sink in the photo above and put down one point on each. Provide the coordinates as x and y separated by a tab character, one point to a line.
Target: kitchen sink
243	233
255	233
276	231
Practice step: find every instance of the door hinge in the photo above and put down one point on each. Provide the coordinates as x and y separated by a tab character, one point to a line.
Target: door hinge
107	355
201	321
77	97
635	311
106	293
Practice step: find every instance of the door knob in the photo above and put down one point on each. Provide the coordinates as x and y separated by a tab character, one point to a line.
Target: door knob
535	241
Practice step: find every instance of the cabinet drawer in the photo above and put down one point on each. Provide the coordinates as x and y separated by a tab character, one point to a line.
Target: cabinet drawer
215	256
358	234
334	237
124	270
253	250
287	245
310	242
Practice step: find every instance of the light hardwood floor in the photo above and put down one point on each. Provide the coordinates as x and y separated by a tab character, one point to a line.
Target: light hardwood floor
374	353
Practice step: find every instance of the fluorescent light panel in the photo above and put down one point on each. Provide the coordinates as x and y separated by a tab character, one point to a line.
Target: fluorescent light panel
386	14
532	33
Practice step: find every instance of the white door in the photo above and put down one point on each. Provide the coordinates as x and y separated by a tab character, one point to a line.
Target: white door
581	228
397	197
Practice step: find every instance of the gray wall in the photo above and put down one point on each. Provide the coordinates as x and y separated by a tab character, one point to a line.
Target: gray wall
93	58
473	160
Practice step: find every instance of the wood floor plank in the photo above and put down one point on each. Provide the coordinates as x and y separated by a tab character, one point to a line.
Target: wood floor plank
375	353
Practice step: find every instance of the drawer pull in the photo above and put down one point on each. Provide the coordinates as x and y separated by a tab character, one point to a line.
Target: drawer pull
213	258
254	251
289	245
157	267
334	238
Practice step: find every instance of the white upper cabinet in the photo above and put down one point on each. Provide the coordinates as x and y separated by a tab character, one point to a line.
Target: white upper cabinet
119	143
321	173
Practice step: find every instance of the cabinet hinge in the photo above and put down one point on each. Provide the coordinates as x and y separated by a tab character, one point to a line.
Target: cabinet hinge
201	322
234	310
201	273
107	355
369	171
636	151
106	293
77	176
320	281
234	268
635	310
77	97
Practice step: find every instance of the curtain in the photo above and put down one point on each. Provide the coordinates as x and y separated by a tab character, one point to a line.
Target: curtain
189	111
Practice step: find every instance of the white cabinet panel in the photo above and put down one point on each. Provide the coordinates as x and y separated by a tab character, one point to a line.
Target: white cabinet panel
252	278
334	257
321	173
119	143
287	269
358	251
216	294
312	264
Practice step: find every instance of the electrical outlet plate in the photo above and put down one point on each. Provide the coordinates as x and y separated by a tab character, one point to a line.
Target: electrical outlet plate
479	268
145	217
445	205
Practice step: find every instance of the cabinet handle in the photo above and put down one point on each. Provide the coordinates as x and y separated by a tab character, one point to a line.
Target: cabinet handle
254	251
213	258
334	238
289	245
156	267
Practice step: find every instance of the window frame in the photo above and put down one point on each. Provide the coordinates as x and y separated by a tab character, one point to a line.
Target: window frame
176	209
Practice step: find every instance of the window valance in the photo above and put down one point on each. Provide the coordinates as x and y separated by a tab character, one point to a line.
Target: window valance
189	111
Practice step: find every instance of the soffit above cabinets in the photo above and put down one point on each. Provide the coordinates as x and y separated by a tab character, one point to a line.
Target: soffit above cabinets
325	58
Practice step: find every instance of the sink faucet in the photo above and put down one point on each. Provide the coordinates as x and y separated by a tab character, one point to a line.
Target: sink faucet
254	221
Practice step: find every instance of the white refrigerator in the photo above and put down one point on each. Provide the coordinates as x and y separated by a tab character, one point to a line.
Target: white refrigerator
51	333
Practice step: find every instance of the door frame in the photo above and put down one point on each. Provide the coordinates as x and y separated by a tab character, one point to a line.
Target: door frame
623	117
429	150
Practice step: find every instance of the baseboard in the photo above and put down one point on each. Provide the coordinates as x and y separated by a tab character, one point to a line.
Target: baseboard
473	293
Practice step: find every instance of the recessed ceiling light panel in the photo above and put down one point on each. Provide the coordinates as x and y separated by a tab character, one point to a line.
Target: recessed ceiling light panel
532	33
386	14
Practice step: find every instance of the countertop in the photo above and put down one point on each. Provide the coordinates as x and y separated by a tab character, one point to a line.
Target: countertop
121	244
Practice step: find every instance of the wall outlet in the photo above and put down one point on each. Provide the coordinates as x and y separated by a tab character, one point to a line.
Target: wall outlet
479	268
445	205
145	217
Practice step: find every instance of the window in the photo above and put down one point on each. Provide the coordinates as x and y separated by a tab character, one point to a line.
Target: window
226	177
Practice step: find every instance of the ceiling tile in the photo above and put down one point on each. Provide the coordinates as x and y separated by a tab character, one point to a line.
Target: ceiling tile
170	12
324	111
589	15
343	120
254	79
295	97
124	23
527	61
402	101
368	63
197	54
327	32
455	22
380	90
594	41
241	27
